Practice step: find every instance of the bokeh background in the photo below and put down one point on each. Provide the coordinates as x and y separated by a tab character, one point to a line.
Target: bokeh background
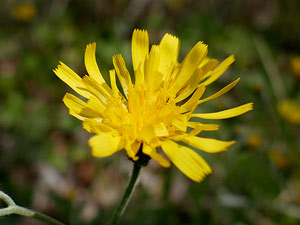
45	162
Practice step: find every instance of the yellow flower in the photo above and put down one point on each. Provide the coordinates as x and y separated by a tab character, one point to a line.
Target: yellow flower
278	159
25	11
290	111
154	112
254	141
295	66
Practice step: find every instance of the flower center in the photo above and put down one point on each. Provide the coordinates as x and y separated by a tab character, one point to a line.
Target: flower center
144	115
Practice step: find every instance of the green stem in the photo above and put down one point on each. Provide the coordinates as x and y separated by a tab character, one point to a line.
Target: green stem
46	219
270	66
127	195
13	208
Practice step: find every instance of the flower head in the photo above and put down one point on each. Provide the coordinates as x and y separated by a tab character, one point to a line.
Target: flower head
290	110
154	112
25	11
295	66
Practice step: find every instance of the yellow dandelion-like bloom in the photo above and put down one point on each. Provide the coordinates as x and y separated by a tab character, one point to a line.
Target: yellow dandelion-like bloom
25	11
295	66
254	141
154	112
290	111
279	159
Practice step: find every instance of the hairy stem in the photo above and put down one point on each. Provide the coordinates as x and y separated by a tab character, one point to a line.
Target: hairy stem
127	195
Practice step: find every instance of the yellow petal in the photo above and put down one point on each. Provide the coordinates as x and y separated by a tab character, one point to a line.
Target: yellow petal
151	65
79	108
219	70
180	123
208	144
153	130
113	82
221	92
199	127
191	86
169	49
147	133
207	65
96	105
229	113
73	103
132	149
160	129
156	82
139	76
186	160
139	47
96	89
71	78
91	63
203	126
104	144
96	126
193	101
189	65
156	156
122	73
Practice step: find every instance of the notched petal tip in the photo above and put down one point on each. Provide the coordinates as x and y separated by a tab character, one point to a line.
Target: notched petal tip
61	63
201	43
171	36
139	31
90	45
248	107
55	70
201	46
114	57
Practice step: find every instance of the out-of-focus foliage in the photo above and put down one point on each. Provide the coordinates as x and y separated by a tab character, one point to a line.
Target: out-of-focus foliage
45	163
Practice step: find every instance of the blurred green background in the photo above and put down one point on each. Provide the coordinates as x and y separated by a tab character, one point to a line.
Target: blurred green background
45	162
